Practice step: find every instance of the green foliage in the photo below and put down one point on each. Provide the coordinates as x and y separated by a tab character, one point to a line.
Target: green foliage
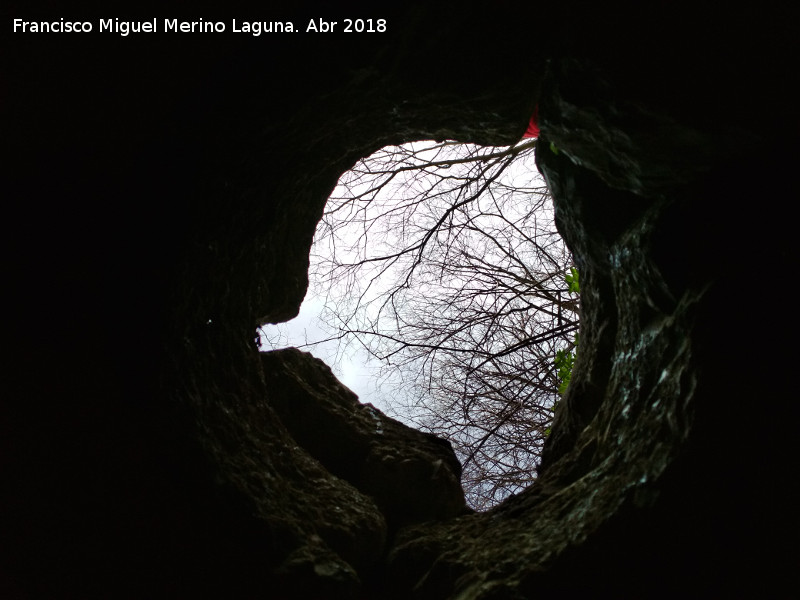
572	280
565	359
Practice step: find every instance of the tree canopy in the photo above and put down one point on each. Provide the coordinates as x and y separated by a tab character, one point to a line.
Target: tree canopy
442	261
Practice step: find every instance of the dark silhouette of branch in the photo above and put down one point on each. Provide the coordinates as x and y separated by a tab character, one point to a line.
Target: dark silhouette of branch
443	262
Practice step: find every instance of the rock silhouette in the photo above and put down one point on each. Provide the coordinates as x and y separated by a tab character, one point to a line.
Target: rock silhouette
162	195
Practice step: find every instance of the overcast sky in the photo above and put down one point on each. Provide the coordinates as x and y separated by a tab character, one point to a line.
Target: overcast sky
354	367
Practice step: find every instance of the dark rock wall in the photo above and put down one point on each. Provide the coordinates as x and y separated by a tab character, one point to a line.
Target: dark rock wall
162	194
161	199
413	476
648	483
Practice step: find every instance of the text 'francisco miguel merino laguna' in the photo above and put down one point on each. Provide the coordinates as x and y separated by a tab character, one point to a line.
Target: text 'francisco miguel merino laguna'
255	28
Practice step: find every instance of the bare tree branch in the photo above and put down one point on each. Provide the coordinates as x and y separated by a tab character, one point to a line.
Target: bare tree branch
442	261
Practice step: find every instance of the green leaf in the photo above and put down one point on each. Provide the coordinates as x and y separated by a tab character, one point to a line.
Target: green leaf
565	359
572	280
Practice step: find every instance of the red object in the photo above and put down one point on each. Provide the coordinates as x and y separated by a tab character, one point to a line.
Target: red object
533	127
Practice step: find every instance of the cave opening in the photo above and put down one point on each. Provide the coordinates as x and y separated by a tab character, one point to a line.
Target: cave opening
442	293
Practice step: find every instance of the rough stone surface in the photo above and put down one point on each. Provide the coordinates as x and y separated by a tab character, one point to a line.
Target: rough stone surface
412	476
165	191
640	490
